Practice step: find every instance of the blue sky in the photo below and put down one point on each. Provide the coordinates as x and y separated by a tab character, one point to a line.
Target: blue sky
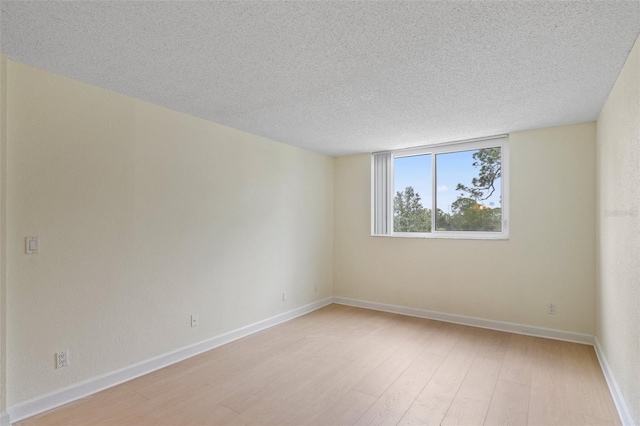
453	168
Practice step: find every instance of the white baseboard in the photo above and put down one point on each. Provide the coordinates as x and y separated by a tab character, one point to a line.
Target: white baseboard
471	321
76	391
618	399
4	419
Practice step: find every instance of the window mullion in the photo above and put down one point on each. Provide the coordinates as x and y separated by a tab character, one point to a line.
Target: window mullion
434	187
391	194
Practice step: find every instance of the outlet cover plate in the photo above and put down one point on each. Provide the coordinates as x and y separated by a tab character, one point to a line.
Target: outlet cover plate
32	245
62	358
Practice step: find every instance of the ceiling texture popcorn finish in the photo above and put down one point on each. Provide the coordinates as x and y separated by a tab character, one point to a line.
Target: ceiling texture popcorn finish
340	77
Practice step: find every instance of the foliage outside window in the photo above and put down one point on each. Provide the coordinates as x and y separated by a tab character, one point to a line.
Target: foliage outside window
464	184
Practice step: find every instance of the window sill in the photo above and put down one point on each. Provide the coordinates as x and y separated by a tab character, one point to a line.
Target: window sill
502	236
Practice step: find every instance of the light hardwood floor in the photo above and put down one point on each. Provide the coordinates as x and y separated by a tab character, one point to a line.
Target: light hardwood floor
343	365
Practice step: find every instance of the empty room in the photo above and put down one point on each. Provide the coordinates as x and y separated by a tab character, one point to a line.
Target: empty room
320	212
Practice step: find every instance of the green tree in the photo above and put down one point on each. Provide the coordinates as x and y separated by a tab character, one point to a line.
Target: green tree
483	187
443	221
409	215
468	214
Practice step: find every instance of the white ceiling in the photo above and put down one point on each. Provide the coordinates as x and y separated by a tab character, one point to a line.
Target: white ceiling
340	77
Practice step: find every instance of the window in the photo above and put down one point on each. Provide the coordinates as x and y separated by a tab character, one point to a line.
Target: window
456	190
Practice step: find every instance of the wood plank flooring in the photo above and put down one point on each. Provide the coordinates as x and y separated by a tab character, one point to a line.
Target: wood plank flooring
347	366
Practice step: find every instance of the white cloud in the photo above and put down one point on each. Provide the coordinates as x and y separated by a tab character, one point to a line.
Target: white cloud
443	188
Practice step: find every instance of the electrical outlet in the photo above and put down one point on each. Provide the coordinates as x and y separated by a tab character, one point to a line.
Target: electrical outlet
32	245
285	296
315	288
551	308
62	358
194	320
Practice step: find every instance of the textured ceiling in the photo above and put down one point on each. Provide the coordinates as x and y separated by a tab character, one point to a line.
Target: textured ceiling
340	77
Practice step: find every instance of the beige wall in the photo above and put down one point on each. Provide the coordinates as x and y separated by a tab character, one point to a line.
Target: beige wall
618	288
3	227
549	257
145	216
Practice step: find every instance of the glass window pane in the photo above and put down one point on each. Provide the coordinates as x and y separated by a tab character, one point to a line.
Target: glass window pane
412	189
469	188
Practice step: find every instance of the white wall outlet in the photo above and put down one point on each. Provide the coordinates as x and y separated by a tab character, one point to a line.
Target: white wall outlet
551	308
194	320
32	245
315	288
62	358
285	296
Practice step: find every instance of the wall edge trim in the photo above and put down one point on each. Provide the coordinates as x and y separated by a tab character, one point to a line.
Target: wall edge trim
96	384
614	389
510	327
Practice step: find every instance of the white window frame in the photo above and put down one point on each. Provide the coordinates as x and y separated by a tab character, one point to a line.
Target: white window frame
386	189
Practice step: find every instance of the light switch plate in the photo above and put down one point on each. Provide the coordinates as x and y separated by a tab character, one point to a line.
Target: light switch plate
32	245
